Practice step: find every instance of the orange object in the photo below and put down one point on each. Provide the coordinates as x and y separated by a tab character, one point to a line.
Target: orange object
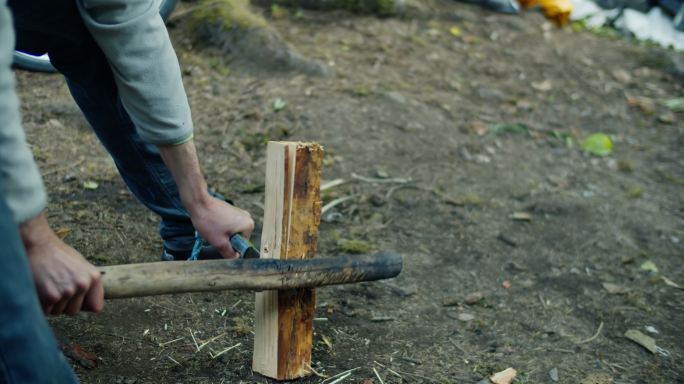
558	11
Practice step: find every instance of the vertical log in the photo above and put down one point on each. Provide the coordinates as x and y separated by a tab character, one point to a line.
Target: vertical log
292	210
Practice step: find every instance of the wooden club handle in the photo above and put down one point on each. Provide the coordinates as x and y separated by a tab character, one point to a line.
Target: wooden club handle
167	277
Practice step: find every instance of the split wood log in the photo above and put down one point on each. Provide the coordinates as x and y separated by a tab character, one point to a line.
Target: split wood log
148	279
283	332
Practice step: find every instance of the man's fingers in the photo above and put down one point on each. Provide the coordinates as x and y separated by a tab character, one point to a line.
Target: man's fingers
225	249
58	308
94	300
74	305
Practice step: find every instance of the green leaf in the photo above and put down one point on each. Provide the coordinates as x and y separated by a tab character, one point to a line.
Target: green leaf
279	104
598	144
90	185
455	31
675	105
649	266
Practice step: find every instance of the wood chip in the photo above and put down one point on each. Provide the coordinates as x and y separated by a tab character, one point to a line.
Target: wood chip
520	216
504	377
645	341
615	289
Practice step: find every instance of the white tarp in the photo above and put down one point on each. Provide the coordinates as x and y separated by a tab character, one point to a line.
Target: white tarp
654	25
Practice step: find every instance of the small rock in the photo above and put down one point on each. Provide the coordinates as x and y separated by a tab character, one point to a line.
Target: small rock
394	97
506	284
466	317
490	94
54	123
553	374
504	377
520	216
474	297
464	153
542	86
69	177
507	240
482	159
667	117
622	76
646	105
377	200
615	289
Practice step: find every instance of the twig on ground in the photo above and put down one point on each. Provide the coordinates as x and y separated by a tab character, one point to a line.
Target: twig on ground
389	369
224	351
340	378
598	331
335	203
378	375
194	340
171	342
543	302
316	372
398	180
347	372
174	360
397	372
211	340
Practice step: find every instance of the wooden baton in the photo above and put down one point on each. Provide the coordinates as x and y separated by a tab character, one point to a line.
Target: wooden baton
168	277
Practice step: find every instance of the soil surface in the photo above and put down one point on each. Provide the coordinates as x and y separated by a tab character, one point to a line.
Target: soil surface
520	249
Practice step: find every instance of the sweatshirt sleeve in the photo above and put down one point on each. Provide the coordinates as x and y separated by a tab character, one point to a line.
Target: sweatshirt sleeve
20	182
136	43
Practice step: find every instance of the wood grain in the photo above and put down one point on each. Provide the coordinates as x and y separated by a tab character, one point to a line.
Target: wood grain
284	319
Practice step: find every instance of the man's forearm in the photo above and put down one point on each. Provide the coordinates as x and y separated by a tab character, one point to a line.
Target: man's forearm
184	165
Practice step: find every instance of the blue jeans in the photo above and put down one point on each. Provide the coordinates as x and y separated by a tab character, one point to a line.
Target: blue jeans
56	28
28	351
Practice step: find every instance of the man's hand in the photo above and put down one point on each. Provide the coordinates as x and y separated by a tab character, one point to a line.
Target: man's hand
215	220
65	281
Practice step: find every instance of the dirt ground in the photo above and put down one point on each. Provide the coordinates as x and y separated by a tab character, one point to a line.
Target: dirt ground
520	250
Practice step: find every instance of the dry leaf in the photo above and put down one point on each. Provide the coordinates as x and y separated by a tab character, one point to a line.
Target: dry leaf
504	377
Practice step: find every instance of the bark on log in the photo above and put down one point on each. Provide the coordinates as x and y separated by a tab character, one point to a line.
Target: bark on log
160	278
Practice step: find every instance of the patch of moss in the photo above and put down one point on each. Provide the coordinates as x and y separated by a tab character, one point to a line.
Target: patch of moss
227	14
634	192
353	246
